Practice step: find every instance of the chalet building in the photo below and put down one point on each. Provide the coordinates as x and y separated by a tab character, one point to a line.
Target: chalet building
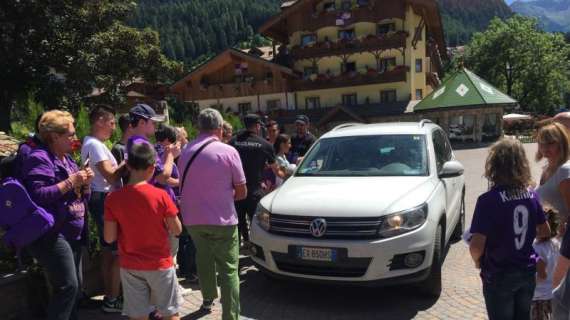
335	60
239	82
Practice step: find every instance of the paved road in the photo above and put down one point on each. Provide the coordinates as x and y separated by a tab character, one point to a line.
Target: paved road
461	297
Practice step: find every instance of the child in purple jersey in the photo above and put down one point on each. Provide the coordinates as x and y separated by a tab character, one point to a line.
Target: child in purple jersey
506	220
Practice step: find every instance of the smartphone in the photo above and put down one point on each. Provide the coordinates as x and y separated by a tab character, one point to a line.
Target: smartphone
85	164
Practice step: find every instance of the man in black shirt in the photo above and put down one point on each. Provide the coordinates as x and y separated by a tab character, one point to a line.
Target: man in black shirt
303	140
255	153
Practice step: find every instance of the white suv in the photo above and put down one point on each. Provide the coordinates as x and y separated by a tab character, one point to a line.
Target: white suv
369	204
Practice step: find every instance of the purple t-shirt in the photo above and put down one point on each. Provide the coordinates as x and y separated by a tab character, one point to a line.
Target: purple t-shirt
174	174
158	166
207	197
509	221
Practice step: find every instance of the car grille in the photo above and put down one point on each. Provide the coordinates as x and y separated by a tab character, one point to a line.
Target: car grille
337	228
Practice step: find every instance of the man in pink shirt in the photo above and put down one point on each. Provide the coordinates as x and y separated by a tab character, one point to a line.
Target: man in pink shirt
209	186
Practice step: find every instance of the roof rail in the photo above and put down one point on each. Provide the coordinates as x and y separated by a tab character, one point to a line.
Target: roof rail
345	125
424	121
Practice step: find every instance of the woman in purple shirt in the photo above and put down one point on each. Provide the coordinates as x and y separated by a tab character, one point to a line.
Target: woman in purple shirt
506	221
55	183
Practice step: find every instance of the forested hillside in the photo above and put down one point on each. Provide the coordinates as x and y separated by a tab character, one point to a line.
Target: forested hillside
462	18
190	29
554	15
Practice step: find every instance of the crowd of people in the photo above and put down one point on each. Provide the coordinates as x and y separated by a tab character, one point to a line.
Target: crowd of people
523	253
153	204
191	202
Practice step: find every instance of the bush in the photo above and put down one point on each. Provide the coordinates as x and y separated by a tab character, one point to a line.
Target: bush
26	113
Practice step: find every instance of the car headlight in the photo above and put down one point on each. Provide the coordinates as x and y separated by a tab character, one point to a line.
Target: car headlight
263	217
404	221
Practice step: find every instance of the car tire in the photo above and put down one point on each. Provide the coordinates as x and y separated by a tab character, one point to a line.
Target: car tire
460	226
431	287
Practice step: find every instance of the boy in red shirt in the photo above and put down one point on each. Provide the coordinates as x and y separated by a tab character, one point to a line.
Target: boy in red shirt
140	216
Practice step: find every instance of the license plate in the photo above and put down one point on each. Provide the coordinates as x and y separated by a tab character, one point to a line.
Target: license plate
316	254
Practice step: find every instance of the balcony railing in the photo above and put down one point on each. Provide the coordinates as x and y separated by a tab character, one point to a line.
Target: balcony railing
239	89
365	13
348	79
344	46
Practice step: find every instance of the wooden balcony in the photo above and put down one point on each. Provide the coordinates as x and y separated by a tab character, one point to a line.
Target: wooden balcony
238	89
367	13
398	74
369	43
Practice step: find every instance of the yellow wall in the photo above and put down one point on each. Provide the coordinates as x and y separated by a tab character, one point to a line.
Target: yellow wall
417	80
362	29
405	90
333	97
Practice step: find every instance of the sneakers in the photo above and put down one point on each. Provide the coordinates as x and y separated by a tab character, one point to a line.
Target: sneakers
112	306
155	315
207	305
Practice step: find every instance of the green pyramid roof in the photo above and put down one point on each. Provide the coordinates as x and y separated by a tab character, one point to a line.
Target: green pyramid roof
464	88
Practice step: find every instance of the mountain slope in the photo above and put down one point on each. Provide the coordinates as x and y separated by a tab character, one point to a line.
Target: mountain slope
462	18
554	15
190	29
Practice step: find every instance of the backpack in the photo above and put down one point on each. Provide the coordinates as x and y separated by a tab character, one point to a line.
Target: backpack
23	220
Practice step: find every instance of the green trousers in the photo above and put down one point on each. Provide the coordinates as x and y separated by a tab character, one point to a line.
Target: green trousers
217	249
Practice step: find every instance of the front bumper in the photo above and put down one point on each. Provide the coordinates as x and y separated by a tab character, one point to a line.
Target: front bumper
363	262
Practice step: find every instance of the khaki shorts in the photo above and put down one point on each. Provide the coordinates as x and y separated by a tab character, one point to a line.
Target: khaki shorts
139	286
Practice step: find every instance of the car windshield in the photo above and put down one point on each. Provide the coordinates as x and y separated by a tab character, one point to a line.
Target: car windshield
378	155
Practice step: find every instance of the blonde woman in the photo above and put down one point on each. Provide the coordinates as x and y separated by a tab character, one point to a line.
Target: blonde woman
227	132
554	191
57	184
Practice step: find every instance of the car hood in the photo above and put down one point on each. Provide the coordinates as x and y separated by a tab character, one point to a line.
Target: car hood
348	196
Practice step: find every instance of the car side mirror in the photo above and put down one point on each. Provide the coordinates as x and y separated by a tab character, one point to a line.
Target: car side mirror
451	169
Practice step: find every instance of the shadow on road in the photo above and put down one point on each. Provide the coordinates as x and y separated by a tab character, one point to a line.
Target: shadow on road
266	298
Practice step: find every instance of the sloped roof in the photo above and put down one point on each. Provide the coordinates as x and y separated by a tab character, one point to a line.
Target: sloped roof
219	60
462	89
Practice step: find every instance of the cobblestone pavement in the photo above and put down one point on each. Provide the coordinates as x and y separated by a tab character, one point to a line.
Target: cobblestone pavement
262	298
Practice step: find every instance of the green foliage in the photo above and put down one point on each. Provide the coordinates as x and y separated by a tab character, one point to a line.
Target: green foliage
25	115
82	127
523	61
60	50
463	18
234	121
190	29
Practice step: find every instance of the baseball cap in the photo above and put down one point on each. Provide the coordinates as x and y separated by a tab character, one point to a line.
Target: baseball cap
145	111
302	119
251	119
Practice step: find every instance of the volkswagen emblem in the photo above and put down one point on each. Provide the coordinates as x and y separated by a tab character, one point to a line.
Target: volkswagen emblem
318	227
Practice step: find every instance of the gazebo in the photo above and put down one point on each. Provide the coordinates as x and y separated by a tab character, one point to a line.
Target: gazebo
467	107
